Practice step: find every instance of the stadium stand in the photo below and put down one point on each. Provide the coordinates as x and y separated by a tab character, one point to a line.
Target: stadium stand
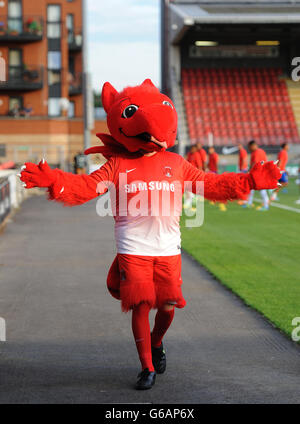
237	105
229	66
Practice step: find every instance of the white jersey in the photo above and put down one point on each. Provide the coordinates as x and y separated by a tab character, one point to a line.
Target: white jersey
146	197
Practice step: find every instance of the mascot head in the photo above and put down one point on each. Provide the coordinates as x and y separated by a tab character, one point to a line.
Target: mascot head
140	119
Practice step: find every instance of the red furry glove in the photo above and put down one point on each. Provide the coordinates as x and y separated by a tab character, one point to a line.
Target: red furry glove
265	176
40	175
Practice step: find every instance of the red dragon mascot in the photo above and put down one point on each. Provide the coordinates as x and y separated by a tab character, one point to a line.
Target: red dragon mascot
140	173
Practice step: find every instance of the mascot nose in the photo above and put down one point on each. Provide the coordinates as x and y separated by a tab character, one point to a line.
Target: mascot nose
158	110
157	119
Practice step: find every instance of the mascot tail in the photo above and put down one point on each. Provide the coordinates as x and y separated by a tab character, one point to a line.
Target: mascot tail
113	279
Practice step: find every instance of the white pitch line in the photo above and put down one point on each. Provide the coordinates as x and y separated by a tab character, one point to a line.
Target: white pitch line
288	208
280	206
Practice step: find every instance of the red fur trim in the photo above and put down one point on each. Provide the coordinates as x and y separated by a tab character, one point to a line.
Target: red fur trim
167	293
133	294
227	186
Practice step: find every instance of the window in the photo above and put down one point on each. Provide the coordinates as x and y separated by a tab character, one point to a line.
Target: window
54	60
53	13
70	27
54	106
53	30
53	21
54	77
15	57
70	22
54	68
71	110
14	22
15	63
15	9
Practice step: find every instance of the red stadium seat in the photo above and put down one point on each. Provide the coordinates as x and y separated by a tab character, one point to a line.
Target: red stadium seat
235	104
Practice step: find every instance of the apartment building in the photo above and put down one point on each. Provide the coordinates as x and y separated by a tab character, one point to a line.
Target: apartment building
41	99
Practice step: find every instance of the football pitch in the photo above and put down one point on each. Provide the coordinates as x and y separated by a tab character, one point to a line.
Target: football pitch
255	254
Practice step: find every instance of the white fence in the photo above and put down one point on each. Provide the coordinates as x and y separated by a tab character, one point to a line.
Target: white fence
12	192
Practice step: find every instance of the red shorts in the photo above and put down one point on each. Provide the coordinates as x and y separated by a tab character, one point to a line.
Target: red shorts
153	279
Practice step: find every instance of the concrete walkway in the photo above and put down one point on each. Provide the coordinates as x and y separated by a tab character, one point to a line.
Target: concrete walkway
67	341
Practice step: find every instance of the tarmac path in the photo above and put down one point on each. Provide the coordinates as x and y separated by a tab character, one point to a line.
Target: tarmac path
68	342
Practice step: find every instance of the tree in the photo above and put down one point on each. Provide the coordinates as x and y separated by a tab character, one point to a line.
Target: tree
97	99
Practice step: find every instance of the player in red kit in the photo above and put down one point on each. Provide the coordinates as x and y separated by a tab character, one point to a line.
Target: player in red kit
202	153
243	164
213	160
257	156
146	184
194	158
283	158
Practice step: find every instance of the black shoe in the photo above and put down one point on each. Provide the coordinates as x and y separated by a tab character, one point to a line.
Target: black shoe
159	359
146	379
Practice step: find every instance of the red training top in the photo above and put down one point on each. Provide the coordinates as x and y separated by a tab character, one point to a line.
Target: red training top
257	156
283	158
213	162
243	160
195	159
203	155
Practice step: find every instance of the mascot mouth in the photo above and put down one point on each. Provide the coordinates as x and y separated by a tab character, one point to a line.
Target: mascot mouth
148	138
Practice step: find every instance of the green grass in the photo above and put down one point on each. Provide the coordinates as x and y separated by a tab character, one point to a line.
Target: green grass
255	254
293	194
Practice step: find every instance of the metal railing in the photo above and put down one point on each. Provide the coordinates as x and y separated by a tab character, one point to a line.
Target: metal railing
75	39
23	78
4	198
22	28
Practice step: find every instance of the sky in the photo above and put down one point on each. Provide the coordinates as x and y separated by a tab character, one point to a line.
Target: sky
123	42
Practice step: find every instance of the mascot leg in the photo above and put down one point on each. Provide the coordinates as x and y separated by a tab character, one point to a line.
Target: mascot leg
142	283
142	336
137	293
163	320
141	332
167	280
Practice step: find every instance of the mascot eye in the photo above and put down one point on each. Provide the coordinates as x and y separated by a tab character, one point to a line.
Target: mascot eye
129	111
165	102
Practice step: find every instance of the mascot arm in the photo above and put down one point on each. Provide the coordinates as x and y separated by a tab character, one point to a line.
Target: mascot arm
65	187
233	186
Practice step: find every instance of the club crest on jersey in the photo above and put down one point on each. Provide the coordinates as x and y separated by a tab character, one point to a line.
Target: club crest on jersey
168	171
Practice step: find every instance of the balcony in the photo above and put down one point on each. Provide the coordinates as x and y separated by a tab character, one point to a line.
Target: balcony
22	78
75	83
21	30
75	39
